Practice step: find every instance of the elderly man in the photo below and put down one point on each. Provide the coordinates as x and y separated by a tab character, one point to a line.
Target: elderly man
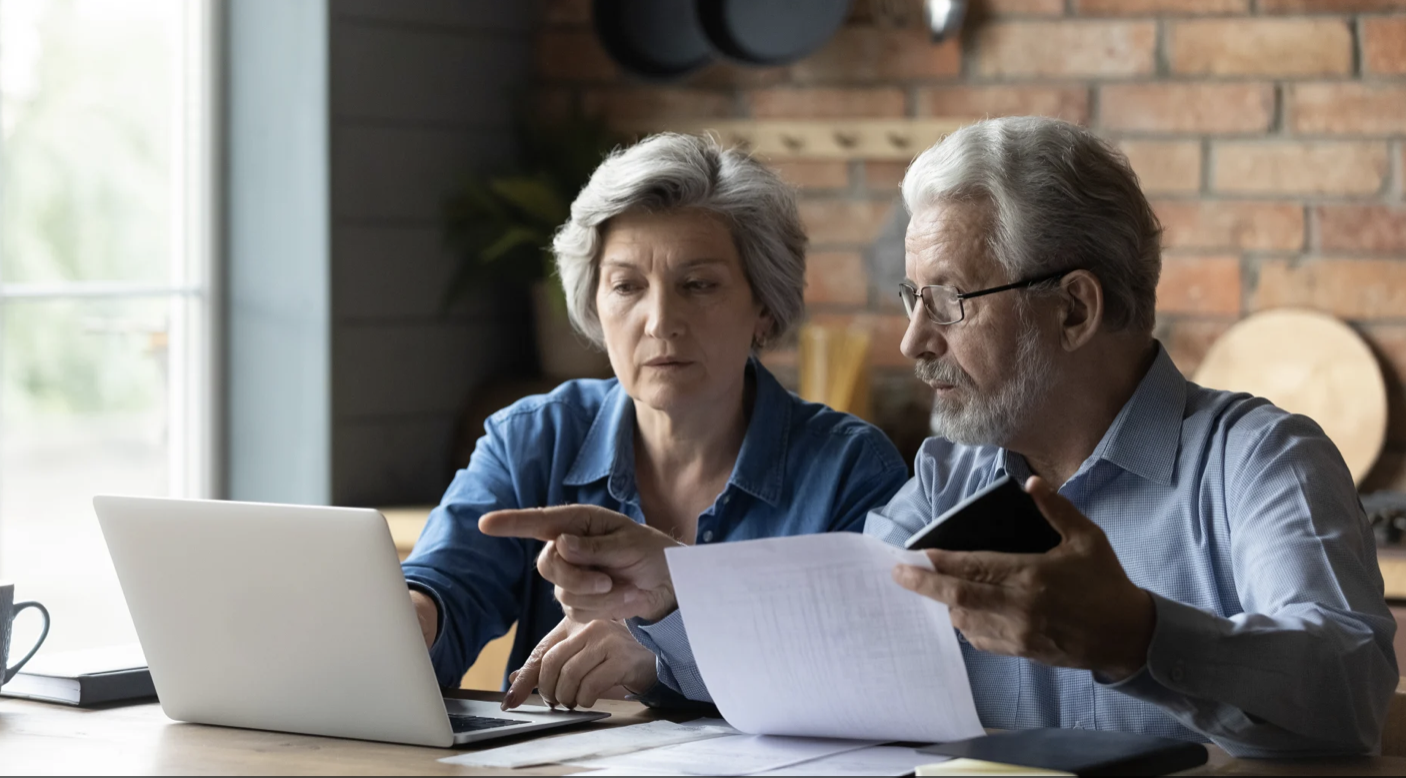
1217	577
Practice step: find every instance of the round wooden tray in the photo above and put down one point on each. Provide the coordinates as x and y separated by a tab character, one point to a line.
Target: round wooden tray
1310	363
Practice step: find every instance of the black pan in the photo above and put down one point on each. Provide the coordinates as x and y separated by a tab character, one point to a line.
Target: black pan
659	39
770	32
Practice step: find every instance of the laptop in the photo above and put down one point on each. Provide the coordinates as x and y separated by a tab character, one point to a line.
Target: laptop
288	618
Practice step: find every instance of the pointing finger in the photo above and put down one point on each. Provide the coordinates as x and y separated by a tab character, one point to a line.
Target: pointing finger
548	523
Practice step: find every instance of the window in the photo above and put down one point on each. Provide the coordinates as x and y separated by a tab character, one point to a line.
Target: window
106	262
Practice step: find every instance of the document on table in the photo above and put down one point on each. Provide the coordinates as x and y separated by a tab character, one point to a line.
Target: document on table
810	636
729	755
875	760
573	748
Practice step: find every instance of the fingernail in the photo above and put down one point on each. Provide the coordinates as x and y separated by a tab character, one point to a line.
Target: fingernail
602	585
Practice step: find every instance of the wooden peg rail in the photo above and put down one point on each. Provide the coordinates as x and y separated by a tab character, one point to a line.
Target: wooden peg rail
894	139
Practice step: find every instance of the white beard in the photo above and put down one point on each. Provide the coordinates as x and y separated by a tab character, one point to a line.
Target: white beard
992	419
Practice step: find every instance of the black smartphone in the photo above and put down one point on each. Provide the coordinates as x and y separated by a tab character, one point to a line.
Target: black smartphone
1002	517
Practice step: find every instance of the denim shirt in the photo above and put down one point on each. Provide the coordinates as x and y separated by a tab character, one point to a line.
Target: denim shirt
803	468
1242	521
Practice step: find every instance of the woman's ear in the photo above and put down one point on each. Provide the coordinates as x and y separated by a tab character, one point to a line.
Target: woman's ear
1083	309
766	327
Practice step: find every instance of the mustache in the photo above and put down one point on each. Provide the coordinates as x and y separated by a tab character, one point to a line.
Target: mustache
935	371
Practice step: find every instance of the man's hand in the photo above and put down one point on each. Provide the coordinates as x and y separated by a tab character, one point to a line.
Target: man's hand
604	565
427	613
577	664
1070	607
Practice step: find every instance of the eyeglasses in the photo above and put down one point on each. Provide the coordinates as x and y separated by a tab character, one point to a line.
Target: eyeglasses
944	303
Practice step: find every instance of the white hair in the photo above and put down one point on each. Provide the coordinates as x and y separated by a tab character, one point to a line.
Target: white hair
671	172
1061	199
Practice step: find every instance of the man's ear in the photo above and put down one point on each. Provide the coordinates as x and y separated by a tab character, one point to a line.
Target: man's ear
1083	309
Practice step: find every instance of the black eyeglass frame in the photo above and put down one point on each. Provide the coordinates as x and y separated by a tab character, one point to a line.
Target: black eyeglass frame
960	297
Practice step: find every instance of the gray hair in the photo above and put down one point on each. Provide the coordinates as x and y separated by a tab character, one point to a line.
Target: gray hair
1062	198
671	172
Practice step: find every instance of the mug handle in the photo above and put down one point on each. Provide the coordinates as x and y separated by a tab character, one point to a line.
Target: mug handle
19	606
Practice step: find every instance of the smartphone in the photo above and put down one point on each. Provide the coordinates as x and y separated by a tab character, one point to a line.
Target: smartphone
1002	517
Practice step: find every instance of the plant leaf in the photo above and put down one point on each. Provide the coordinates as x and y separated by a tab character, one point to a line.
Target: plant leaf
535	197
511	238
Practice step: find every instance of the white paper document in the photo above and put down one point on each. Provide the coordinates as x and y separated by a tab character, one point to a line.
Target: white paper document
875	760
573	748
730	755
810	636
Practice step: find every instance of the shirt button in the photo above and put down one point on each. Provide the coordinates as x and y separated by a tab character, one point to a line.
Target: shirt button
726	498
708	536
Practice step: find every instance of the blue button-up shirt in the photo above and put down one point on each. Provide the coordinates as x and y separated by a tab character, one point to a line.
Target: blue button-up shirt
1272	634
803	468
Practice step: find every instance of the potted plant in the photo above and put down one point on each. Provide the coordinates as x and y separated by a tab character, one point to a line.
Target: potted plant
501	227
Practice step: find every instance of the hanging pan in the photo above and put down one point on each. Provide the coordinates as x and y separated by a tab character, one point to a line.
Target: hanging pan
657	39
770	32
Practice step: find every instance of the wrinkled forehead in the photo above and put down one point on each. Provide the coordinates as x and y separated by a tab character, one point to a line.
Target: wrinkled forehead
948	243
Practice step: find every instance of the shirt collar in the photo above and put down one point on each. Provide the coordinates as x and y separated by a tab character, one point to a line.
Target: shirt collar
609	447
1145	435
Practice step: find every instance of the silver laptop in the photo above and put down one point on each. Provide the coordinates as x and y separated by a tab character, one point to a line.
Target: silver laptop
288	618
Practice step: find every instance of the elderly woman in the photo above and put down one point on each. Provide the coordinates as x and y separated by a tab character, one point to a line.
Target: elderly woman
682	259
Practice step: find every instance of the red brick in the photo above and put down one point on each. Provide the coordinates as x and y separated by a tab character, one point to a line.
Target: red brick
1331	6
1299	167
884	175
836	278
1187	340
1349	288
1146	7
1200	285
1272	47
1210	108
843	221
573	55
1208	224
826	103
725	74
1370	228
567	12
1389	343
1384	45
812	173
1347	108
979	102
656	106
1165	166
1023	7
868	54
1066	48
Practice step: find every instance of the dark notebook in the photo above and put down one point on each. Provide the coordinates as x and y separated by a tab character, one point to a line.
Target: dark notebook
84	678
1080	751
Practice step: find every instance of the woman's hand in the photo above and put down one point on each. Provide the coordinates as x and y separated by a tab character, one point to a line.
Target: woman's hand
427	613
577	664
604	565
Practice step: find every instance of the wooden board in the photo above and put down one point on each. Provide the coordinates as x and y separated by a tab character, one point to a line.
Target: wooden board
1310	363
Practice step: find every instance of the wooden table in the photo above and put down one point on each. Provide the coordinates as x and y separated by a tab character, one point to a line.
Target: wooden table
37	738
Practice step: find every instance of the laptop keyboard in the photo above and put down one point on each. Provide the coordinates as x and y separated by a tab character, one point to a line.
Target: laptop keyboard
461	723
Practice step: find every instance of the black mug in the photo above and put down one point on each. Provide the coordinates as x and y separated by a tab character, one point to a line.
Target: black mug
8	609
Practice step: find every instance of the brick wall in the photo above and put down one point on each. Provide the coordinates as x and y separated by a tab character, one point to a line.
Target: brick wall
1268	133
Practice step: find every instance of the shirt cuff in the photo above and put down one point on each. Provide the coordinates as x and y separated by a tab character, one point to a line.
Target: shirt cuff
668	640
1165	679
